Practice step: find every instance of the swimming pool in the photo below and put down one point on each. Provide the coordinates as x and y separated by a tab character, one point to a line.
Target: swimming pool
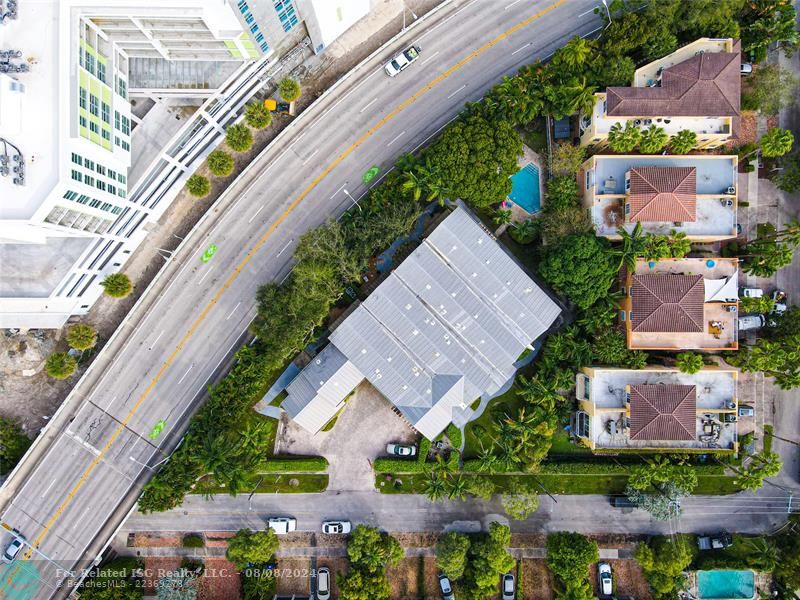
725	585
525	189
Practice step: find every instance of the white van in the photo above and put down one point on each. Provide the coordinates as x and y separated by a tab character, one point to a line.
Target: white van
323	584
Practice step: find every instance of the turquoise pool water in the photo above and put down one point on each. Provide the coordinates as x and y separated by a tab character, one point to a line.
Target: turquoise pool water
725	585
525	189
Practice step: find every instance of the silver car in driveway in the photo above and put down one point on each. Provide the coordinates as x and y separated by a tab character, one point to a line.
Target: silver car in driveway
509	587
605	580
323	584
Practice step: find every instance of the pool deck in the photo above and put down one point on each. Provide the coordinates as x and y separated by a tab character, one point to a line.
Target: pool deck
528	156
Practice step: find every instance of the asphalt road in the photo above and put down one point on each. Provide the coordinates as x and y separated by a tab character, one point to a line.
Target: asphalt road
72	498
746	512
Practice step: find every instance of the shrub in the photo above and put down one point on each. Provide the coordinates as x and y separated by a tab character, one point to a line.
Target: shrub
453	434
220	163
562	192
193	540
424	448
776	142
60	365
257	116
683	141
570	554
198	186
239	138
398	465
289	89
81	337
117	285
689	362
13	444
290	464
567	159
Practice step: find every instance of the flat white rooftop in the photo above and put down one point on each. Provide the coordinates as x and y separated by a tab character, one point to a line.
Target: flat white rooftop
35	34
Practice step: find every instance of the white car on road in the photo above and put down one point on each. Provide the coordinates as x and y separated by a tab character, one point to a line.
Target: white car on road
402	61
282	525
336	527
12	550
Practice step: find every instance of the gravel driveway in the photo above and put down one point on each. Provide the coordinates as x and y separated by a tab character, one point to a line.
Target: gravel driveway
361	433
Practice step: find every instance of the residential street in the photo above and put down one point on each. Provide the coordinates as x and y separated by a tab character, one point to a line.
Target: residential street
129	411
746	513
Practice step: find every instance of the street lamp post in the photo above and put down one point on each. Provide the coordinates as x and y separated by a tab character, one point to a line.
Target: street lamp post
608	12
351	198
413	14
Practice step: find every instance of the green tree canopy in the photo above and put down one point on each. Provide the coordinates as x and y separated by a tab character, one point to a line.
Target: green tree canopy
562	192
289	89
358	584
220	163
451	554
60	365
768	89
117	285
624	139
566	160
609	347
520	503
580	268
683	142
248	548
689	362
653	139
257	116
371	550
239	137
81	336
13	444
663	561
476	157
776	142
198	186
570	554
488	559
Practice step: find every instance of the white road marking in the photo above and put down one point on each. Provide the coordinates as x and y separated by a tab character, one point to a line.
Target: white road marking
155	340
512	4
185	374
586	12
457	91
337	191
204	275
430	58
310	156
549	55
401	134
233	311
286	245
520	49
48	488
591	32
255	214
368	104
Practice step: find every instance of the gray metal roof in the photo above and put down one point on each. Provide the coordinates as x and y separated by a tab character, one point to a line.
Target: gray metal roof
446	327
317	393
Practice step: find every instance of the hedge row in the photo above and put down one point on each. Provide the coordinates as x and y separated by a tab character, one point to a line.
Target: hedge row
455	436
398	465
588	468
291	464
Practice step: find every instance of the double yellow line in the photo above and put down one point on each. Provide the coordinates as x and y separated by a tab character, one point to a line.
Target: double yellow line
197	322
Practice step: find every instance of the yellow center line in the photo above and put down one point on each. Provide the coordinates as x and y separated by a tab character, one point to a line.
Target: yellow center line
255	248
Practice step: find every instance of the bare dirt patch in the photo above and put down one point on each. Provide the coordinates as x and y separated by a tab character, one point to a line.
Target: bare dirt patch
404	578
154	540
221	581
157	567
431	579
294	576
337	566
537	581
218	539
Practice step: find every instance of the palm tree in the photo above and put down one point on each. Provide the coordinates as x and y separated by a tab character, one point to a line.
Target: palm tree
117	285
583	98
434	487
574	53
457	488
683	141
414	183
764	553
502	216
60	365
776	142
215	453
487	461
689	362
81	336
406	162
632	246
653	140
624	139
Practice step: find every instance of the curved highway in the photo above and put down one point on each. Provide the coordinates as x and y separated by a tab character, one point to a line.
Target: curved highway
133	411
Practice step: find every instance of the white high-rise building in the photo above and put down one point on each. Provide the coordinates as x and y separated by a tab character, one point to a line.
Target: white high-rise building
66	218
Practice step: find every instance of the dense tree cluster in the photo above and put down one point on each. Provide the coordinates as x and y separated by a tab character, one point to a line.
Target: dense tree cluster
370	551
568	557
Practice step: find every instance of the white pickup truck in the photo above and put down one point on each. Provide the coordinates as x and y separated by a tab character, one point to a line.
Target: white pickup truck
282	525
402	61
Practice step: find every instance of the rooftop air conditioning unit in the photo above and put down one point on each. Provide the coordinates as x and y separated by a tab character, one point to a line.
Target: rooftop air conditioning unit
731	190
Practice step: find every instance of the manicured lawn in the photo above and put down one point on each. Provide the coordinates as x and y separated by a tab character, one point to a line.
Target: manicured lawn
480	430
714	485
272	484
562	446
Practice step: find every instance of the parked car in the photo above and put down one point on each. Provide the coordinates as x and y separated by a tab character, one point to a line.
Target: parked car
751	292
447	589
12	550
509	587
402	61
605	580
751	322
282	525
745	68
718	541
323	583
728	418
746	411
401	450
336	527
622	502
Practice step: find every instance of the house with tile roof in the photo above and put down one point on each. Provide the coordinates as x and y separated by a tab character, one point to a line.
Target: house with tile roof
692	194
681	304
446	328
697	87
656	408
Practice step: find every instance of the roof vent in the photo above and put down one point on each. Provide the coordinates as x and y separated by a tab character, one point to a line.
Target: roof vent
428	391
474	274
427	286
318	361
405	387
415	332
408	307
389	359
480	241
363	351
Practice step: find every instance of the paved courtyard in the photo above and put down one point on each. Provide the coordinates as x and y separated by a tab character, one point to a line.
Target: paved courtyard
361	433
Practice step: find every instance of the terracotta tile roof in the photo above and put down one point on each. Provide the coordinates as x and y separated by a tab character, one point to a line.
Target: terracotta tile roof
667	303
663	412
705	85
663	194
